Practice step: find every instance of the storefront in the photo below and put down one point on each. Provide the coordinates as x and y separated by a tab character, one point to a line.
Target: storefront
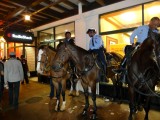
22	43
54	35
117	26
114	22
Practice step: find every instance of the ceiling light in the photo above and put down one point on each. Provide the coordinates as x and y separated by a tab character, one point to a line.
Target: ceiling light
27	17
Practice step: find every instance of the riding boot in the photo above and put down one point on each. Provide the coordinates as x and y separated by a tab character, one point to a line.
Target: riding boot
104	75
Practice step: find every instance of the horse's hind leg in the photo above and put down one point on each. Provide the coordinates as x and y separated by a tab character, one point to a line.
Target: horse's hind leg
147	108
93	95
63	107
132	104
85	87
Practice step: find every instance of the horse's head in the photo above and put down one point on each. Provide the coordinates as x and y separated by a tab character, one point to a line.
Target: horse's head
61	57
44	59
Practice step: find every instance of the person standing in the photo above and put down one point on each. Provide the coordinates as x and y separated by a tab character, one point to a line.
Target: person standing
13	74
25	69
1	83
96	46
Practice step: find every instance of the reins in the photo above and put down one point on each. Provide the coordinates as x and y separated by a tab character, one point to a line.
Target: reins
48	68
153	93
81	71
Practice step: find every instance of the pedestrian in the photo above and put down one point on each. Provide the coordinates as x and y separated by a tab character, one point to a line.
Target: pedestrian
13	74
1	83
25	69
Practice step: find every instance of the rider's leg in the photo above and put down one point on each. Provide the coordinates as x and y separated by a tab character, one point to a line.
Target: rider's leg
121	67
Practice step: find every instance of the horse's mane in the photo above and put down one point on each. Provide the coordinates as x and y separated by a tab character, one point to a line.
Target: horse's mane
148	44
73	45
80	48
52	48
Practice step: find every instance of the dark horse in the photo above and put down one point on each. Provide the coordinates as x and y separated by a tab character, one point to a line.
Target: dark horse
143	75
45	58
83	60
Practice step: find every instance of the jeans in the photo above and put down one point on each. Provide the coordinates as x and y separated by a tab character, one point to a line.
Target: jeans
1	87
13	93
0	91
52	88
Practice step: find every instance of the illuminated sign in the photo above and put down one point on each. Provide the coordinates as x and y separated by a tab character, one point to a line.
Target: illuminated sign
19	36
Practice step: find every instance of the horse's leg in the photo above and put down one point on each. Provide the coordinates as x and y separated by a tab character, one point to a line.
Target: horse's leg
58	89
93	95
71	89
77	89
114	81
147	107
132	103
139	105
63	107
120	96
85	88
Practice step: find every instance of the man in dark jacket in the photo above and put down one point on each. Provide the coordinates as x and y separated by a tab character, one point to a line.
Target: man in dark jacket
68	38
25	69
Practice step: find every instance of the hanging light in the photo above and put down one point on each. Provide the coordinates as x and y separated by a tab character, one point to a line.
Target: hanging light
27	17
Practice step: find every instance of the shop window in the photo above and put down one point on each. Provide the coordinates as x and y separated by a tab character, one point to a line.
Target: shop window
151	10
46	36
60	31
116	42
30	55
121	19
19	51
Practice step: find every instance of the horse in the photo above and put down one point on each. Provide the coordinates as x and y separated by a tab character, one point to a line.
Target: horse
87	69
143	74
45	57
113	62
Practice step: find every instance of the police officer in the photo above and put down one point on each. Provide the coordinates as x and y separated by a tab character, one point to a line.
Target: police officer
96	46
142	32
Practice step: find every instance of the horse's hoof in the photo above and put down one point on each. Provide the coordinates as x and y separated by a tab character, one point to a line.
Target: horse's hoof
140	108
71	94
93	117
84	113
77	94
63	108
57	108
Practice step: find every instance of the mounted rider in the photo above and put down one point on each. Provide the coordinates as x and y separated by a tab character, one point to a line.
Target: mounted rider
142	32
96	46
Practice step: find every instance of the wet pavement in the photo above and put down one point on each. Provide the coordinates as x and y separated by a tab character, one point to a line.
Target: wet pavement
34	104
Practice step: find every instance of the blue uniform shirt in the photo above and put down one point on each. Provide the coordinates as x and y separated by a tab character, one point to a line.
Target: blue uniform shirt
141	33
98	42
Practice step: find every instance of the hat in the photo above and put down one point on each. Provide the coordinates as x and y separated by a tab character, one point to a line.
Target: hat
91	29
12	53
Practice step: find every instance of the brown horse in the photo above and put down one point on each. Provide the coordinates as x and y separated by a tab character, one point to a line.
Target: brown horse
87	69
59	78
143	74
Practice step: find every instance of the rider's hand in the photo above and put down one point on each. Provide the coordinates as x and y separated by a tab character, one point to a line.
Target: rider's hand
133	45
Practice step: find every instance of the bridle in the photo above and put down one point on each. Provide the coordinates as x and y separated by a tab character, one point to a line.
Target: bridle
68	50
47	67
152	93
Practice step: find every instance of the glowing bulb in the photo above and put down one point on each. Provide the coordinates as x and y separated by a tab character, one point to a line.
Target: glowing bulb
27	17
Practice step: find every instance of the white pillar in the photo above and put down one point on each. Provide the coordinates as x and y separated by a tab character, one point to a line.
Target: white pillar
79	8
